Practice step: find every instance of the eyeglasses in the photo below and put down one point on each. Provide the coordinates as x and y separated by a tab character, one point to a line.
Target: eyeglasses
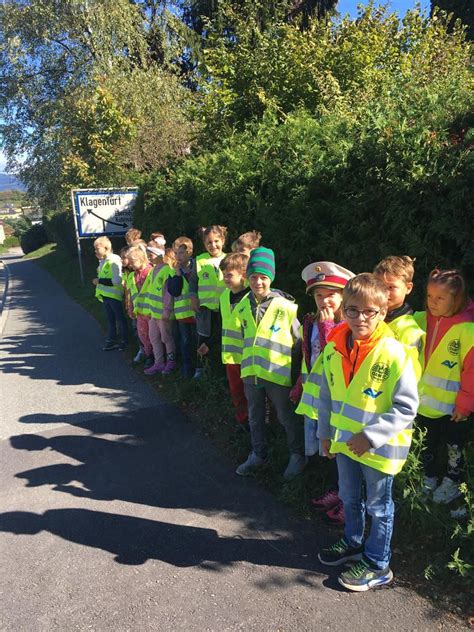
368	314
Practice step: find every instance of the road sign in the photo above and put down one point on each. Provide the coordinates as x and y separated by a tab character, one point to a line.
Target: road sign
103	211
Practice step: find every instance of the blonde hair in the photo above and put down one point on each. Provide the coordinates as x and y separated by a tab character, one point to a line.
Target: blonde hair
398	266
247	241
132	235
234	261
455	284
221	231
103	241
184	241
138	253
368	287
169	257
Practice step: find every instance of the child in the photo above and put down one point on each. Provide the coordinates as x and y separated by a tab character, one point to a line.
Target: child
206	284
133	236
178	287
160	305
233	267
130	293
247	242
325	281
397	274
139	263
270	328
447	383
109	292
367	403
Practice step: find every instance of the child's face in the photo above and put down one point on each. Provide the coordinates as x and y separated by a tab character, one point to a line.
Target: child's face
440	301
213	244
327	298
125	262
152	258
260	285
363	316
136	264
397	288
101	251
182	256
234	279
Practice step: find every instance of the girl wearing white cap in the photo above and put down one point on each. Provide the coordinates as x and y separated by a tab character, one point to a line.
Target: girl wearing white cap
325	281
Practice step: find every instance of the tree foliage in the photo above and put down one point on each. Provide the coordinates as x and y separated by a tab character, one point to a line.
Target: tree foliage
84	101
462	10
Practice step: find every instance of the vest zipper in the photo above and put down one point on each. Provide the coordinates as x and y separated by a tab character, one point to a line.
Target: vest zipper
433	338
351	375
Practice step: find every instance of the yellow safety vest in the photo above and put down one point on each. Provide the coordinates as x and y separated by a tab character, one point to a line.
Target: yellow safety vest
369	395
441	379
407	330
182	303
311	387
108	291
210	283
232	343
140	304
156	291
268	345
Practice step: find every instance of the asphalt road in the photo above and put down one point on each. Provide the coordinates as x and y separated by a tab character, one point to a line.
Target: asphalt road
116	514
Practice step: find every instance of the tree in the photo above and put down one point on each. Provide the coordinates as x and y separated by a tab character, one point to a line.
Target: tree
84	85
460	9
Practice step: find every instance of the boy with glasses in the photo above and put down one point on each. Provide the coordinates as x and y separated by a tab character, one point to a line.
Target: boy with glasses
367	403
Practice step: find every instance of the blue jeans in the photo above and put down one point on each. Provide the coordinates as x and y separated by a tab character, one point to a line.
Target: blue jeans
379	506
187	346
115	317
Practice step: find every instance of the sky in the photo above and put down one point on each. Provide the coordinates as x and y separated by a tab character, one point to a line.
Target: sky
344	7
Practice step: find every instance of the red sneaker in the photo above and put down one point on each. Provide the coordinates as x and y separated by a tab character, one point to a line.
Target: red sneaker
336	514
327	501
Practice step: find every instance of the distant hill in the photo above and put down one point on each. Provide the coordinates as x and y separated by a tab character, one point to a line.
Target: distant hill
8	181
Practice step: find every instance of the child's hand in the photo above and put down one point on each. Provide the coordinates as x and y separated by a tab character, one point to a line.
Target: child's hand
203	349
326	314
358	444
95	281
458	416
326	447
194	303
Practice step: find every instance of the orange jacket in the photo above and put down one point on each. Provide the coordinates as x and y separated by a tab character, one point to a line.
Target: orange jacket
353	358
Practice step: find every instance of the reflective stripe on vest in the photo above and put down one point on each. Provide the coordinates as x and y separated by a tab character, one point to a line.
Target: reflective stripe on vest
441	380
210	283
182	303
268	345
140	304
232	340
107	291
156	291
311	387
365	399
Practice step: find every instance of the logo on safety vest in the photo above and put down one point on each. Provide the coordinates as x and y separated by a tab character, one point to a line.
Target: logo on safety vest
449	364
275	329
453	347
380	372
371	393
331	378
205	275
244	323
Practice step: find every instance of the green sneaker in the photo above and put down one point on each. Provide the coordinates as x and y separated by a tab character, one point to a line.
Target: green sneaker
339	553
362	577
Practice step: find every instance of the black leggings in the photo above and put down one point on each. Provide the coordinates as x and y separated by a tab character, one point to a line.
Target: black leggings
439	433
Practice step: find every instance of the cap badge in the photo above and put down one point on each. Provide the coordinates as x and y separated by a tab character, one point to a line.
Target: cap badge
320	277
317	268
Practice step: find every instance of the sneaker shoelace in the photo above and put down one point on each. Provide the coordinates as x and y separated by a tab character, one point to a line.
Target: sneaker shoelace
338	547
358	569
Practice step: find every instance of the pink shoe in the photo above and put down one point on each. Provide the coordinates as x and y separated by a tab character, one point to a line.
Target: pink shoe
336	514
327	501
155	368
169	366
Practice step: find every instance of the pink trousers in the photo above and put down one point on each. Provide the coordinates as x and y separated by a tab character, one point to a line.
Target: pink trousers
143	324
161	338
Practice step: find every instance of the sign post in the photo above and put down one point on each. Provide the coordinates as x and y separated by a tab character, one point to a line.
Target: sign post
99	212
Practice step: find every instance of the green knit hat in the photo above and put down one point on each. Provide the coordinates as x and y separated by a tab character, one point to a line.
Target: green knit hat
262	261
